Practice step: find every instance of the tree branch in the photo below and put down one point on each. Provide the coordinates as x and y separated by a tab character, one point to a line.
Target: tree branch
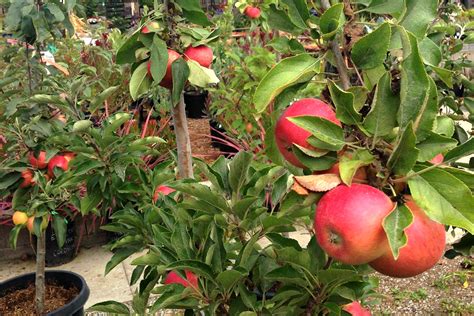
340	64
183	143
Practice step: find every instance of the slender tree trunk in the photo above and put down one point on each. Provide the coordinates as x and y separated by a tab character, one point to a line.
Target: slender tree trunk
183	143
40	275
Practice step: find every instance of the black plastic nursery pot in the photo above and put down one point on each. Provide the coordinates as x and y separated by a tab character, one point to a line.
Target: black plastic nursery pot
66	279
56	256
195	104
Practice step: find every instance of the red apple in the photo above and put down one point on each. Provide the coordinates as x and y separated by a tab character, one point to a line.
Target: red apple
57	161
438	159
252	12
38	161
167	80
30	224
202	54
150	27
348	223
27	176
287	133
355	309
425	246
191	279
163	189
69	155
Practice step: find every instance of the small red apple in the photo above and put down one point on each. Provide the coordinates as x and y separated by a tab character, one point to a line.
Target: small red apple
252	12
167	80
287	133
27	176
69	155
348	223
425	246
191	279
38	161
163	189
202	54
355	309
57	161
150	27
438	159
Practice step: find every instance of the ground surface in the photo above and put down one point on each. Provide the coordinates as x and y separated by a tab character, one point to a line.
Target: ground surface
199	132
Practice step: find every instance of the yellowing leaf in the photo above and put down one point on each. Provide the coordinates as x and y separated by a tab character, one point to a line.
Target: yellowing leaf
201	76
299	189
320	182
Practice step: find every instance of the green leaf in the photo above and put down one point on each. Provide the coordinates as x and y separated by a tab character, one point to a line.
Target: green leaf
344	102
158	58
405	154
90	201
385	6
445	75
81	126
430	52
286	73
193	12
229	278
13	237
322	129
112	307
316	164
382	117
297	12
332	21
433	145
444	126
238	171
464	176
461	151
279	20
414	85
60	228
126	52
444	198
370	51
119	256
203	193
287	274
55	11
201	76
348	166
394	225
419	14
423	124
140	82
99	100
180	71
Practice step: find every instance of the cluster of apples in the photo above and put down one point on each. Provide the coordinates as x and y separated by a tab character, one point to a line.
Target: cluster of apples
39	162
201	54
348	219
252	12
22	218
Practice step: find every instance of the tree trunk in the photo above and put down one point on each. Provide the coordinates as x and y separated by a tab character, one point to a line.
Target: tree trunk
183	143
40	275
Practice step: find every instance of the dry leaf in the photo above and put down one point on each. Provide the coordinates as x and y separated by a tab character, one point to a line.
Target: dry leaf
320	182
299	189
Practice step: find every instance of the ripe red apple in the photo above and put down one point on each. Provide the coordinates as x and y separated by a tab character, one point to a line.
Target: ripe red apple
202	54
252	12
355	309
348	223
57	161
438	159
191	279
38	161
425	246
69	155
287	133
27	176
167	80
163	189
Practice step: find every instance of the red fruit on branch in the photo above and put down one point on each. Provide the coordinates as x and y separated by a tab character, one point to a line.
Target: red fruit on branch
39	161
348	223
163	189
27	176
57	162
191	279
438	159
287	133
425	246
355	309
167	80
201	54
252	12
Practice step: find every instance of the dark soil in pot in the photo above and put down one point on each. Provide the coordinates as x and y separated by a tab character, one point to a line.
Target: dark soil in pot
195	104
66	294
